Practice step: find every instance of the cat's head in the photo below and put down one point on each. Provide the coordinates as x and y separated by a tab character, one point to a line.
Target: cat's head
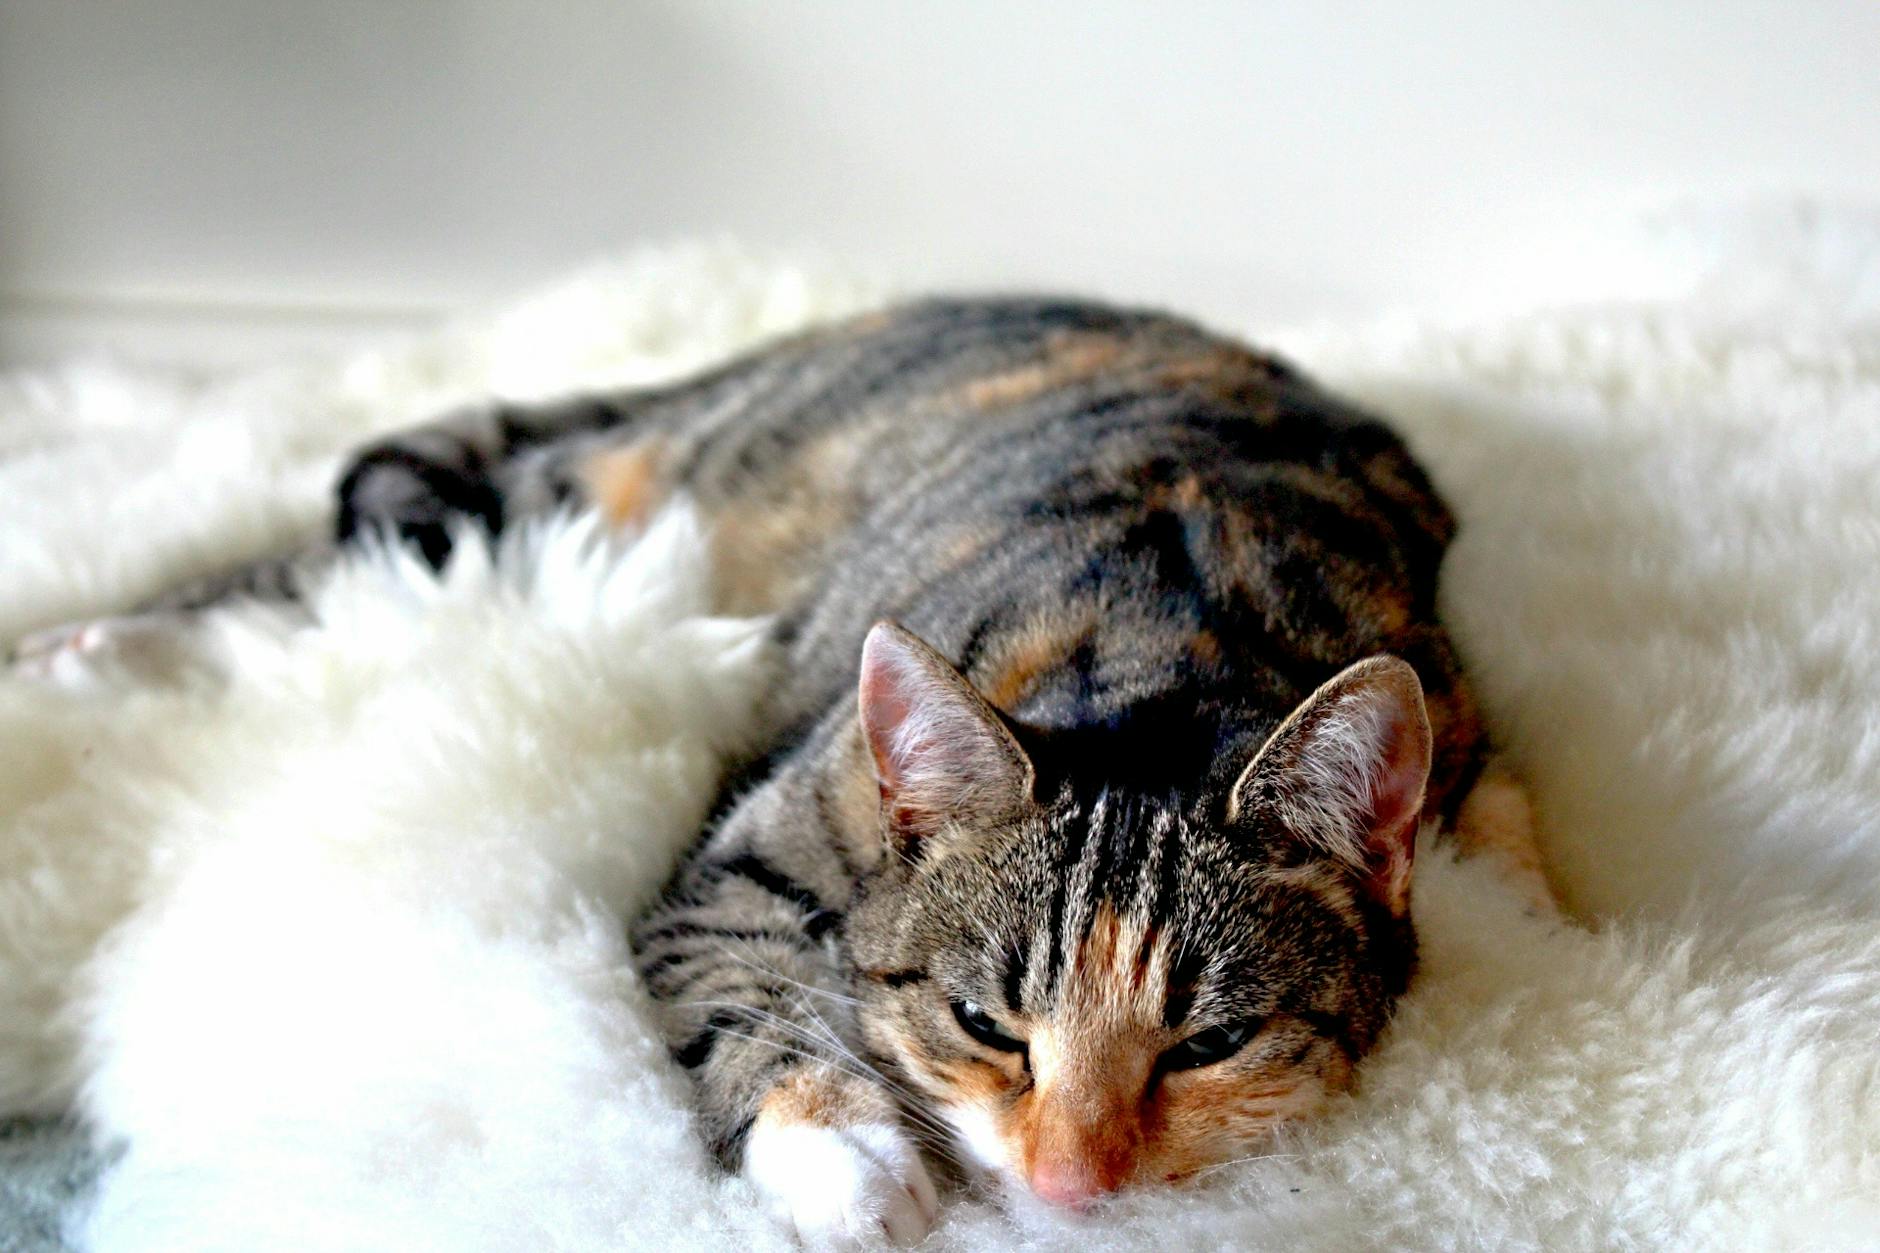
1095	988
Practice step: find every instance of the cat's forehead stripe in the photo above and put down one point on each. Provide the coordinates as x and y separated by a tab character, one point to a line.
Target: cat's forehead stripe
1080	851
1117	975
1113	855
1159	867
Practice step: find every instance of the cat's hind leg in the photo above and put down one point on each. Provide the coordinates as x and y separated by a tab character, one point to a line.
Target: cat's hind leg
481	465
162	639
143	648
414	487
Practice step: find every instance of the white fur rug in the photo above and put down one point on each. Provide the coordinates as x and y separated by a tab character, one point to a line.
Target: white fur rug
336	950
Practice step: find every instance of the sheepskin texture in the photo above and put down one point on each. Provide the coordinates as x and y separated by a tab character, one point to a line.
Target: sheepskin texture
331	952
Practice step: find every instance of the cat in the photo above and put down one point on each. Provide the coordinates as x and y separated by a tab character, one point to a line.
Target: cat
1114	698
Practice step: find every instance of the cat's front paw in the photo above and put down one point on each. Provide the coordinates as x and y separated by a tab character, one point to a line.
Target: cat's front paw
842	1187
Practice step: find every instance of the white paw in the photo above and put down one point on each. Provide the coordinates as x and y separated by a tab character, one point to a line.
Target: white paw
842	1187
141	648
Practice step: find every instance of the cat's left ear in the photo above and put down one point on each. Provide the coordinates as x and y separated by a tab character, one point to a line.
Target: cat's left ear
1345	775
942	754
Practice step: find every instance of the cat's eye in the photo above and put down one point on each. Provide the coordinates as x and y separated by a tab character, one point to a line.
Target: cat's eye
1216	1044
978	1024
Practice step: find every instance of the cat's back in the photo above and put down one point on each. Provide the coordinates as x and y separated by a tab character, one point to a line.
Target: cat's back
1093	511
964	417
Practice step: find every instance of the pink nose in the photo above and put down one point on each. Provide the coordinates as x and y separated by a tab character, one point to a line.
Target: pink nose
1070	1184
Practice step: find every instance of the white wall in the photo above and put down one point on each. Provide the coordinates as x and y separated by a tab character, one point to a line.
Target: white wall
208	177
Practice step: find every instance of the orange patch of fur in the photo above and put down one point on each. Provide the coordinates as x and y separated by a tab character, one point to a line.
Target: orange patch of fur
756	551
977	1082
1205	648
1012	673
1213	1113
624	483
1497	821
760	543
822	1098
1069	359
1389	611
1223	371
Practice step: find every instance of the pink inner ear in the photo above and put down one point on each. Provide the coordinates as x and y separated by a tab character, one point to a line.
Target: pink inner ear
1399	776
1402	771
916	716
939	751
889	703
885	704
1397	787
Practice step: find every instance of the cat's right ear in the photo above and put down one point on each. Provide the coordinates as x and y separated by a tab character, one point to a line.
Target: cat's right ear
943	756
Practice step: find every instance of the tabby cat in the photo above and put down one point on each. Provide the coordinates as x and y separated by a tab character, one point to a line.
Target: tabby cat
1114	699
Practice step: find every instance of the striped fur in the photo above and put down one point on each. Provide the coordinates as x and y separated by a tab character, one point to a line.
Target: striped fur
1134	551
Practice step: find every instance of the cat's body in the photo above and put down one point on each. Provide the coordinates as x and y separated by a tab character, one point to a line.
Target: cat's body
1133	889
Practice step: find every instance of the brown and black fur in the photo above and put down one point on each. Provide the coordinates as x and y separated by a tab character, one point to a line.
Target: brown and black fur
1144	546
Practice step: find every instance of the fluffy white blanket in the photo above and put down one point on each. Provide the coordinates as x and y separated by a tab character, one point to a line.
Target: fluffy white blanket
335	950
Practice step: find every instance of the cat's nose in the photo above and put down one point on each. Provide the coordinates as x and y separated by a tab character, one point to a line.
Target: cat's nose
1072	1184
